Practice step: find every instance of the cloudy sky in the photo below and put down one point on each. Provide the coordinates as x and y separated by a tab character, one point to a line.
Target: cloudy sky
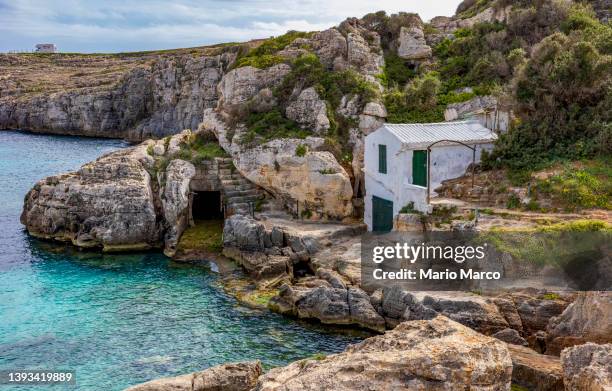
124	25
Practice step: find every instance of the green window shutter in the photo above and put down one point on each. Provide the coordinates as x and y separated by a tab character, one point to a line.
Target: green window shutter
382	159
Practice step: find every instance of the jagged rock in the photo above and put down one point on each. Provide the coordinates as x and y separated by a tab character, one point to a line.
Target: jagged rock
330	46
536	313
241	84
375	109
175	201
587	319
243	233
318	299
587	367
535	371
334	279
509	312
159	100
226	377
462	110
421	355
412	45
309	111
316	180
362	312
476	312
107	203
510	336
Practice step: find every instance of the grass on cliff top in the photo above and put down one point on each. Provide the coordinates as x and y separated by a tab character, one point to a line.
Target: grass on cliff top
264	55
206	235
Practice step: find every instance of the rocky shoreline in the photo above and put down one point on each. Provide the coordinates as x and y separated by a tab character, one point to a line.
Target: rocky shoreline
266	138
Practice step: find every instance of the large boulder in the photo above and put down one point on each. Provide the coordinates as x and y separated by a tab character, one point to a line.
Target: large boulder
107	203
241	84
421	355
330	304
311	177
310	111
412	44
535	371
226	377
587	367
587	319
477	312
244	233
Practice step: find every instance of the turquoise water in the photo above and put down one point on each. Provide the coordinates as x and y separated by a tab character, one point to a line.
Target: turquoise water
118	319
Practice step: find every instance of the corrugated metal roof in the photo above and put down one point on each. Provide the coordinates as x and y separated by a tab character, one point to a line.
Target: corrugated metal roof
468	132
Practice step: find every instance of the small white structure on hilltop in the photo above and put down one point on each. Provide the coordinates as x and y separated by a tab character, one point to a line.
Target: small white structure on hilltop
46	48
403	163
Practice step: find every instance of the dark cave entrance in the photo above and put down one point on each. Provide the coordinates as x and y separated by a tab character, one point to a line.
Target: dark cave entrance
206	205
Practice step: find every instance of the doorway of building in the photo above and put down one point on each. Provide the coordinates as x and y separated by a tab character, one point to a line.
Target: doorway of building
206	205
382	214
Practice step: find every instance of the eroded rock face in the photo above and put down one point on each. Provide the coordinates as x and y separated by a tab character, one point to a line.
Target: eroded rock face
175	199
476	312
412	44
107	203
309	111
420	355
587	319
587	367
226	377
149	101
241	84
316	180
330	303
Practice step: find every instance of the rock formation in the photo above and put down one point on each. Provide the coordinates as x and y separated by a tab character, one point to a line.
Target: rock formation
431	355
154	100
108	203
587	367
226	377
587	319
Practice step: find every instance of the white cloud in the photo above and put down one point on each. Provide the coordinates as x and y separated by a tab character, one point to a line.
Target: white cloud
119	25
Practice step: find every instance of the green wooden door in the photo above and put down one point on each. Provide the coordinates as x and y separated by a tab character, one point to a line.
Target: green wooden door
419	168
382	215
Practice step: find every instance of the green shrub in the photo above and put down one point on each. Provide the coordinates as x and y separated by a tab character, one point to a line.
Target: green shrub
396	72
562	96
270	125
577	189
264	55
262	62
301	150
150	149
513	202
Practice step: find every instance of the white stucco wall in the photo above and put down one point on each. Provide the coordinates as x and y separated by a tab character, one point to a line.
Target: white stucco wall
447	162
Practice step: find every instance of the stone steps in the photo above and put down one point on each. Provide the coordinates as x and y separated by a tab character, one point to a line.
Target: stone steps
240	193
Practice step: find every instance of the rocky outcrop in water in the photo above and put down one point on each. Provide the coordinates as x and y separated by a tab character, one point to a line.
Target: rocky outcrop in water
430	355
108	203
226	377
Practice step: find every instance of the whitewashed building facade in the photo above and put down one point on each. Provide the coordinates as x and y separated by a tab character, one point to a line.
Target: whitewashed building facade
403	162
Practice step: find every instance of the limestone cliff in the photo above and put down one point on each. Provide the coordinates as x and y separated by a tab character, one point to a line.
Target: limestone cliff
151	99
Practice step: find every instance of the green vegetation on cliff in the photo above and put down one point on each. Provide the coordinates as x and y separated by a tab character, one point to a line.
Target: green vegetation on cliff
264	55
563	96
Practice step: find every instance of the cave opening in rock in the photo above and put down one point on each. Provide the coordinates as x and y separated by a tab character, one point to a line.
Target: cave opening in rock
206	205
302	269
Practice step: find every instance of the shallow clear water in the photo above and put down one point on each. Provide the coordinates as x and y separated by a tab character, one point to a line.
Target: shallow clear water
118	319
